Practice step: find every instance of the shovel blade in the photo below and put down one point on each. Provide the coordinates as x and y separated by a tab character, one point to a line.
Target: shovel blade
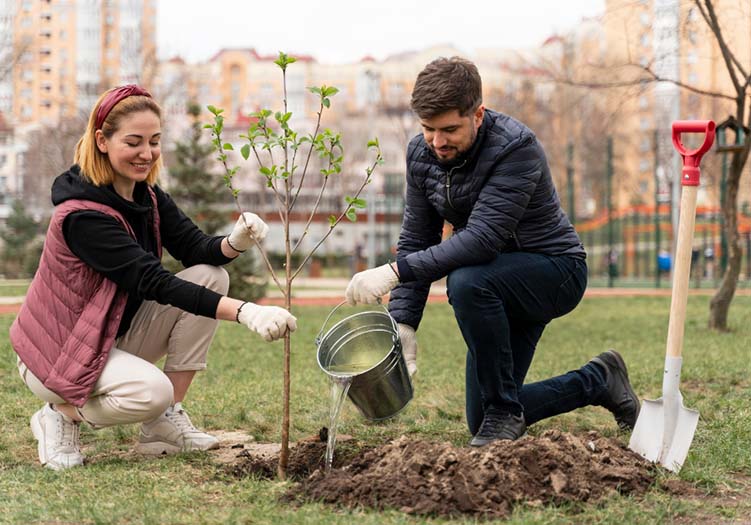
663	432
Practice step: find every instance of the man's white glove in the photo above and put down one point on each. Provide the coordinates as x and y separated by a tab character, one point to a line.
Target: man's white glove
409	347
368	286
248	226
270	322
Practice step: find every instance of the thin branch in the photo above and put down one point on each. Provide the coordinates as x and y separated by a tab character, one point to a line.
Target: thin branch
313	212
273	188
653	77
710	17
285	131
338	219
229	173
310	152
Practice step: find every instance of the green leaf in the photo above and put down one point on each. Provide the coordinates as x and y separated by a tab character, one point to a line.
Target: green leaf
316	90
332	220
228	147
352	215
329	91
245	151
326	102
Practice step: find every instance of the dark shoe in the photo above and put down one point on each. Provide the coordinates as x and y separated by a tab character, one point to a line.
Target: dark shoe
620	398
499	426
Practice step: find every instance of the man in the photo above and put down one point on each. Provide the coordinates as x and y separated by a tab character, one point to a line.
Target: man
514	261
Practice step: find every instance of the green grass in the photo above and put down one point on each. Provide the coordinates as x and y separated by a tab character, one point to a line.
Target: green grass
13	287
241	390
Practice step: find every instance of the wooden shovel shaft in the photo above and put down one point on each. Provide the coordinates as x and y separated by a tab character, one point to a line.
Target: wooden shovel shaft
682	270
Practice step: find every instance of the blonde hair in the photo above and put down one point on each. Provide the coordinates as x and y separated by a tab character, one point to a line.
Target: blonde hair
95	165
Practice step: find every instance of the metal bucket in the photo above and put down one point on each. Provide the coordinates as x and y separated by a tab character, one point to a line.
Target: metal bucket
366	347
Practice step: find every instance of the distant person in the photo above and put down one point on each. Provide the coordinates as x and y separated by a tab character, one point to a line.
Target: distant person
102	309
514	261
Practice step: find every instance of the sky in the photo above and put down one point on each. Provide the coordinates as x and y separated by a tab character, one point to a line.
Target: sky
341	31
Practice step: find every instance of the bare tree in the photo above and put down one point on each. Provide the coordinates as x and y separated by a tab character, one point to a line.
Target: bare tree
633	74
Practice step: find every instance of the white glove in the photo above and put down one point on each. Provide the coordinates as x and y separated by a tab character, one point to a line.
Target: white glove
369	286
242	235
409	347
270	322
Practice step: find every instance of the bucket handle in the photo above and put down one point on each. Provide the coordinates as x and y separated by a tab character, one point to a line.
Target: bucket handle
325	322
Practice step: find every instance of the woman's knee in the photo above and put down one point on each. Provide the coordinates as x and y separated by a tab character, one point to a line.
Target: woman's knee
214	278
157	395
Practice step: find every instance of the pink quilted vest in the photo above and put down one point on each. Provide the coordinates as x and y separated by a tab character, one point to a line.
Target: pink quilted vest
69	320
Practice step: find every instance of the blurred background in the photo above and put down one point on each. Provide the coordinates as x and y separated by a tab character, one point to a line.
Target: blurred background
600	90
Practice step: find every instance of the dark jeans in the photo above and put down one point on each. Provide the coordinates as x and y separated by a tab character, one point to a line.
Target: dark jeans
502	308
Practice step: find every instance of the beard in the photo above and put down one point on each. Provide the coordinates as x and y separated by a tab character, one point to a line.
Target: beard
453	153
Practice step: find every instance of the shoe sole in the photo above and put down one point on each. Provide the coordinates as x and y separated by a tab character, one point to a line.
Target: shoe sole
478	445
623	371
160	448
157	448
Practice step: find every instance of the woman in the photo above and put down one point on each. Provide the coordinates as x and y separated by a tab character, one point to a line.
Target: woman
102	309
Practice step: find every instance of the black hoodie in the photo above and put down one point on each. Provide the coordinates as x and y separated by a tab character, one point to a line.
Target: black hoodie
100	241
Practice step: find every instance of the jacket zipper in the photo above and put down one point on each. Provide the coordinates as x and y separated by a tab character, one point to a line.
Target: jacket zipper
448	182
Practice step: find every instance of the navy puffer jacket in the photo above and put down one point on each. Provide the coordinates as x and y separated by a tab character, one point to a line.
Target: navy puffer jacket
498	197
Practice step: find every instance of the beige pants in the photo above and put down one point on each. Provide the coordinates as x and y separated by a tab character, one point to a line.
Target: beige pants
131	389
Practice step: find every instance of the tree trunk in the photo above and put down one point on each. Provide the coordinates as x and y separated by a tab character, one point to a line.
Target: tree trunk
719	306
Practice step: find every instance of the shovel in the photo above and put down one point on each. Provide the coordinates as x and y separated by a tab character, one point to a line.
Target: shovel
665	428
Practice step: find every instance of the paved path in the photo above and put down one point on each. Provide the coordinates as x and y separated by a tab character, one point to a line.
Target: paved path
330	292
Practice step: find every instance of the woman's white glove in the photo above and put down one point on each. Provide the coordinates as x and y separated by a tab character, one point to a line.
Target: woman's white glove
270	322
369	286
248	226
409	347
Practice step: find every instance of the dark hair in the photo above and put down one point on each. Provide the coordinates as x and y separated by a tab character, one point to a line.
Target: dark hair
447	84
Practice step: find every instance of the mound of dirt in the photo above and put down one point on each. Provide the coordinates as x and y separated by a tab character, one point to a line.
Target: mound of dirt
420	477
305	457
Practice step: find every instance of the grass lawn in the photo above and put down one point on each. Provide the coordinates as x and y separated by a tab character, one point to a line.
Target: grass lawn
13	287
241	391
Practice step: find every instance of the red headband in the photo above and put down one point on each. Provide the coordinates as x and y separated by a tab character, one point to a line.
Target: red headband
113	97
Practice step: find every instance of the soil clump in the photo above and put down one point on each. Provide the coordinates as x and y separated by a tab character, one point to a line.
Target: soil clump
440	479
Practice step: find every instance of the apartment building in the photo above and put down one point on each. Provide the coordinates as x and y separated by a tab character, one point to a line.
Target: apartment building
65	53
671	40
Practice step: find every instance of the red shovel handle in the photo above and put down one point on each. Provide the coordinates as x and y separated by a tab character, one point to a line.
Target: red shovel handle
692	158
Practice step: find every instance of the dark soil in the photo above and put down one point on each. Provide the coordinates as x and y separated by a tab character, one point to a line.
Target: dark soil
305	457
424	478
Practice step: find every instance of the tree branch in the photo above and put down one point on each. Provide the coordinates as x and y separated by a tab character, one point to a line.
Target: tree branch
307	160
338	219
710	17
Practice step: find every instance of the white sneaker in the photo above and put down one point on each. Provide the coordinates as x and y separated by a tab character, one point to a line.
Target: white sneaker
172	432
59	446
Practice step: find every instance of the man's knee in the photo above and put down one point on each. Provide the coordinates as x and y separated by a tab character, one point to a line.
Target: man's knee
463	287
